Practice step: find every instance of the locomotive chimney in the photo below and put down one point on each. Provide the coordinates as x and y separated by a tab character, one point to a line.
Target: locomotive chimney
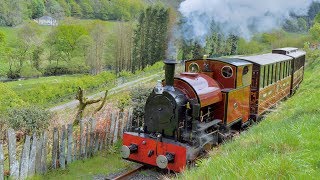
169	73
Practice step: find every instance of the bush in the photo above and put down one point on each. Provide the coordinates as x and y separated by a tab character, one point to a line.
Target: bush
49	93
125	74
28	71
13	74
29	119
54	70
139	98
8	98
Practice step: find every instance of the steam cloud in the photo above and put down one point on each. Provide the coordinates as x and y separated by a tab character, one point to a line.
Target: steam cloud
240	17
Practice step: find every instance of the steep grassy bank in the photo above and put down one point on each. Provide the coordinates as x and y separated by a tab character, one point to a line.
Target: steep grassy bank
285	145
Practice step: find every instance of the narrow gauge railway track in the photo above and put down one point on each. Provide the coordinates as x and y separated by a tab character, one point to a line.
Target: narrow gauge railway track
127	174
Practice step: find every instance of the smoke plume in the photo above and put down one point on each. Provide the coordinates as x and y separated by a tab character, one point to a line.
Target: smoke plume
240	17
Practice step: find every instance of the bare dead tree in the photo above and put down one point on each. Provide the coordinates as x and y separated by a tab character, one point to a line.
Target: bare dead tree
84	102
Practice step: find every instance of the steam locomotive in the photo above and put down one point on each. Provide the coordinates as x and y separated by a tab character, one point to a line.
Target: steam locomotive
205	105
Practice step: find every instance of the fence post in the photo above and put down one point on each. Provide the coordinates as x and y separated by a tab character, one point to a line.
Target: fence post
92	132
70	141
55	147
75	150
111	132
1	163
96	142
13	163
82	140
44	153
24	162
62	159
87	140
32	157
106	141
38	155
116	129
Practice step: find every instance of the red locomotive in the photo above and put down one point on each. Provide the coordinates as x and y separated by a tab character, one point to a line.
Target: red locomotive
214	97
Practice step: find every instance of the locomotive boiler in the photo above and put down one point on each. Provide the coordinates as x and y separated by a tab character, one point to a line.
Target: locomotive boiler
215	97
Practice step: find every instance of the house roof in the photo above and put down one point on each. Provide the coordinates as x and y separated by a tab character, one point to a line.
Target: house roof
46	18
264	59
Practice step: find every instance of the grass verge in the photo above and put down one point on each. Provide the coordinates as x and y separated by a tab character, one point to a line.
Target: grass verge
285	145
100	165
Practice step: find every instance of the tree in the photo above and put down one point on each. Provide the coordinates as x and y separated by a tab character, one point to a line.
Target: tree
315	31
37	8
75	9
197	51
14	12
28	39
64	41
55	9
302	24
87	9
317	18
314	9
97	48
150	37
124	41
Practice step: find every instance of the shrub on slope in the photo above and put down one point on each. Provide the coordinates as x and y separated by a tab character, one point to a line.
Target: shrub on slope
8	98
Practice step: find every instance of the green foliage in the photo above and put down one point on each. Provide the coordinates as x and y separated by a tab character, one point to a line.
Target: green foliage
125	74
150	37
55	9
295	25
285	145
29	119
123	101
29	71
9	98
61	69
44	93
37	8
217	44
139	96
64	41
317	18
102	164
314	9
250	47
315	31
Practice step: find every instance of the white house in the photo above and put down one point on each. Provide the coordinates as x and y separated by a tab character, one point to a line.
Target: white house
47	21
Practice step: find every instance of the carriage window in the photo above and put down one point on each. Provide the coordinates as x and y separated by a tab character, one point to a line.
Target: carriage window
274	73
261	77
283	69
287	65
266	71
193	68
245	70
278	71
270	74
289	68
227	72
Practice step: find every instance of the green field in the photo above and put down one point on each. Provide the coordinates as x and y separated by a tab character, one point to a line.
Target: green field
285	145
